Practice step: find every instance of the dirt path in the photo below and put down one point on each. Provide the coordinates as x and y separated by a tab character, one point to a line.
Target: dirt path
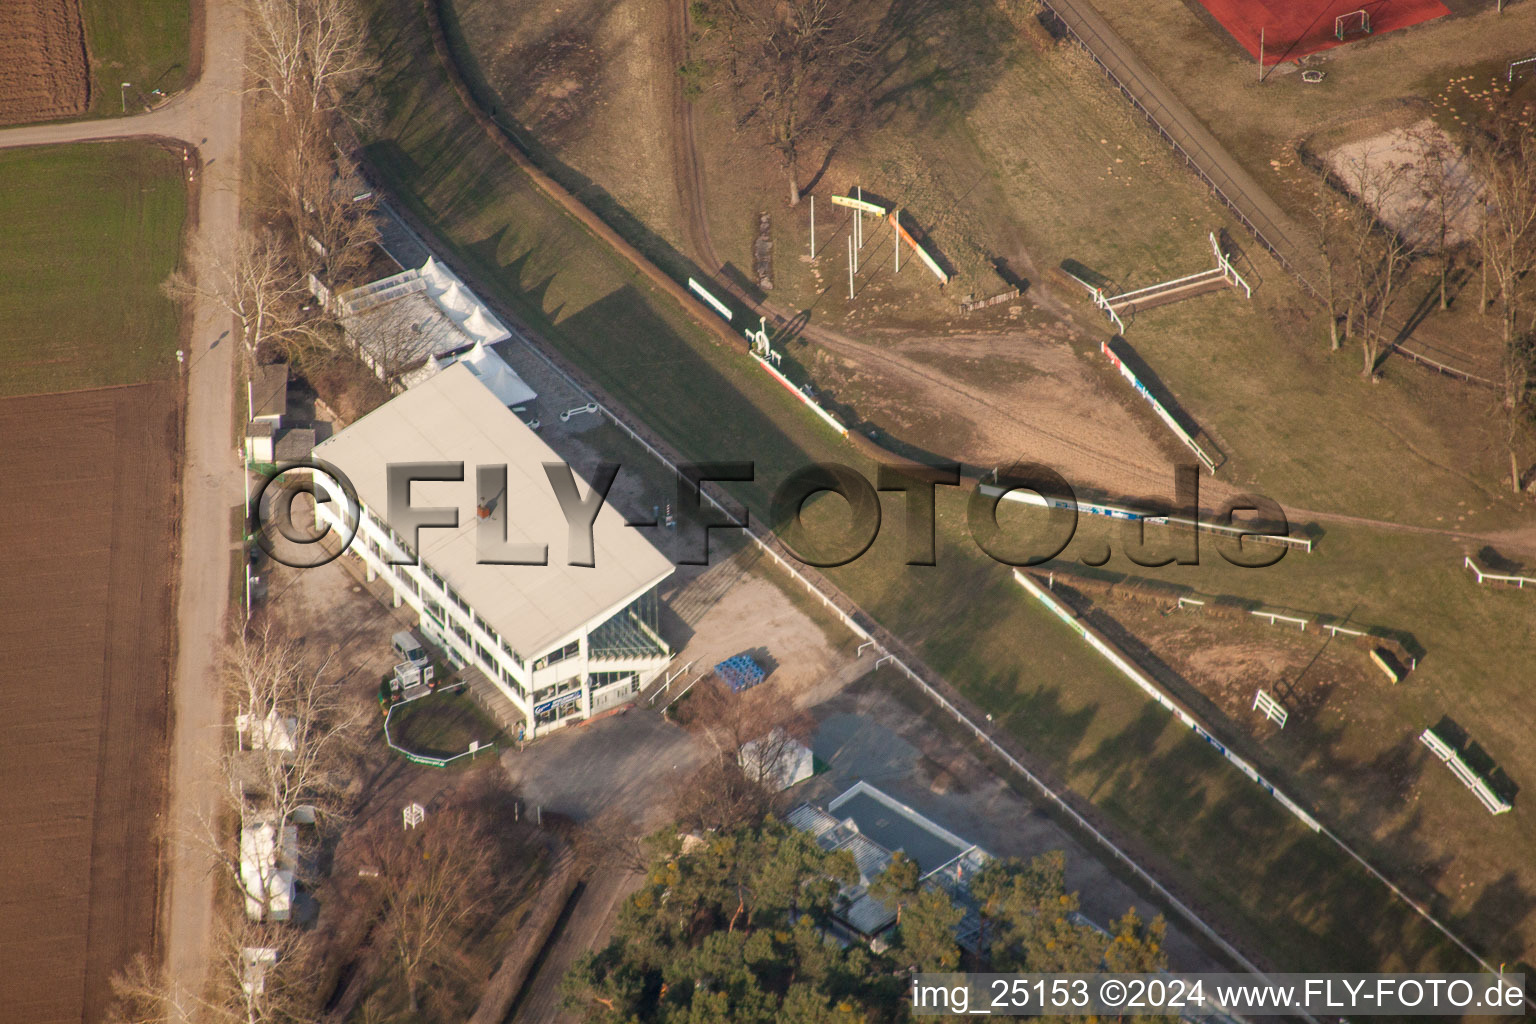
206	116
587	928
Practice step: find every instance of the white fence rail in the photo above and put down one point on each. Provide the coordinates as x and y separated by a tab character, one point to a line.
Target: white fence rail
1459	768
1274	617
1127	298
1270	708
1228	271
1483	577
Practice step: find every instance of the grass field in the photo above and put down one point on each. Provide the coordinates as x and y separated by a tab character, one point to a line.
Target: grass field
442	725
146	43
91	231
1286	891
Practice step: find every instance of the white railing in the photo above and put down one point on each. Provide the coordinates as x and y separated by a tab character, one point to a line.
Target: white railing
1483	577
1103	303
1228	271
1459	768
475	746
1270	708
1166	286
667	683
1273	617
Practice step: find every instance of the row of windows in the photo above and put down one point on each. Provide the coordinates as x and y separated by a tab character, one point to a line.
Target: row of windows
556	689
451	623
598	680
442	585
570	650
444	621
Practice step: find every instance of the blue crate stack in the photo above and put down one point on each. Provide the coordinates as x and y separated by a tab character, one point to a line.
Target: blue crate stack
740	672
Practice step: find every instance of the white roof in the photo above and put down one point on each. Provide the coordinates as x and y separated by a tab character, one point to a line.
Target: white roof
453	417
274	732
255	960
266	871
460	304
418	313
776	759
485	363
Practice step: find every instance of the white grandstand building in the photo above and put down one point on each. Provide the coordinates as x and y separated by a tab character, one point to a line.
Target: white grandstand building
555	643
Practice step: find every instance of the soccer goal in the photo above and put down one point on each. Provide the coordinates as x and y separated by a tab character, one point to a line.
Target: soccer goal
1353	22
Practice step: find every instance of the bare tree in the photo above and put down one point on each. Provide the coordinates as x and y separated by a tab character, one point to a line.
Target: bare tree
305	183
255	281
297	746
394	346
1440	178
753	735
763	716
1335	228
1504	158
438	880
612	839
801	69
290	762
306	52
1519	398
259	975
719	795
1365	259
341	224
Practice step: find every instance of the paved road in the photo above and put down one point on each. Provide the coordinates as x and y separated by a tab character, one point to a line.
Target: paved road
631	761
206	116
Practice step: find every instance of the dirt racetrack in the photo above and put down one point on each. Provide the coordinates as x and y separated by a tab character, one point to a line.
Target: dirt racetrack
86	572
43	67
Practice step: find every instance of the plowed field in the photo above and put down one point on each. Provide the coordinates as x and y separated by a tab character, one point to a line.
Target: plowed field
86	571
43	68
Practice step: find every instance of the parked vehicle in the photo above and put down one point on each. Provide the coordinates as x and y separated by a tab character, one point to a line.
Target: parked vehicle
408	648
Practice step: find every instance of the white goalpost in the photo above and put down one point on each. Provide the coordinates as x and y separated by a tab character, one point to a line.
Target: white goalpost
1355	21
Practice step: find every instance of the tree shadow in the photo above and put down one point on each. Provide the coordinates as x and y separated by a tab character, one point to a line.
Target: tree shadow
1496	562
1476	757
1153	383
